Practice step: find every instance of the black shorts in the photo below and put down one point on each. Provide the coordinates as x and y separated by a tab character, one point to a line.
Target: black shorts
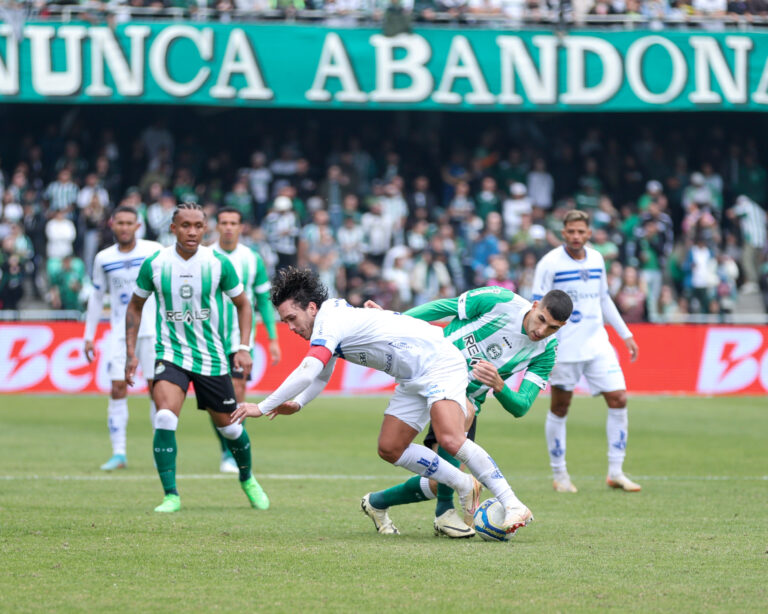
236	373
430	440
214	392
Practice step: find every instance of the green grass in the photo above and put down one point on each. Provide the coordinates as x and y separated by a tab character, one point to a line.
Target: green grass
73	539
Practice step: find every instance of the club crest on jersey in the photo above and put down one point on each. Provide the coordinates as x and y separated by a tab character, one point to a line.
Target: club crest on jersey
186	291
584	274
494	351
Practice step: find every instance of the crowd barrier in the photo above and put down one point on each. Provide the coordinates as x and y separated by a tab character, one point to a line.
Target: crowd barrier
47	357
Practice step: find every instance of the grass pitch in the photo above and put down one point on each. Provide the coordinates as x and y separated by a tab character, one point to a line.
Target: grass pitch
74	539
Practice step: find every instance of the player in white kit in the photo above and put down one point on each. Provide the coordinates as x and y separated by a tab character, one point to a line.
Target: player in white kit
431	376
114	272
584	349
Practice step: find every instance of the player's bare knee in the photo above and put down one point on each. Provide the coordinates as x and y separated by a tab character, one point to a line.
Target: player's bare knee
119	390
451	442
616	399
559	409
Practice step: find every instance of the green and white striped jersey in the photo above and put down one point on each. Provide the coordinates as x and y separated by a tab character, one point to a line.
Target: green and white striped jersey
488	324
190	307
253	274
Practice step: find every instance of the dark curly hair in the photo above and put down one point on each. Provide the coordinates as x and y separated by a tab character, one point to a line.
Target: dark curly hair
300	285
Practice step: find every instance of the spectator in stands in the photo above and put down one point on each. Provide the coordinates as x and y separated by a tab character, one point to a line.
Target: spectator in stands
702	194
92	220
282	230
752	225
62	193
541	185
602	243
515	207
701	266
68	284
753	180
652	257
422	203
498	273
631	298
239	198
60	233
160	216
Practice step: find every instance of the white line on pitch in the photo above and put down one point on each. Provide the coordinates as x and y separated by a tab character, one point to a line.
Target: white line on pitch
330	477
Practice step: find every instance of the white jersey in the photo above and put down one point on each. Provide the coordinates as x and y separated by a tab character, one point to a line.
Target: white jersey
115	273
399	345
585	282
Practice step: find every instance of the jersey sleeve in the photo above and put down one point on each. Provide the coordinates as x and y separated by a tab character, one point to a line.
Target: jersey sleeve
542	280
144	285
474	303
435	310
541	366
229	282
261	288
95	300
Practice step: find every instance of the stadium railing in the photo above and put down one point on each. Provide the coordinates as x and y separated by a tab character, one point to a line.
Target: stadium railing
372	16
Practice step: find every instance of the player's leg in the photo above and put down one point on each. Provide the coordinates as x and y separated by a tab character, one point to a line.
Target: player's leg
616	430
227	463
604	375
117	405
217	395
169	392
145	352
564	378
449	421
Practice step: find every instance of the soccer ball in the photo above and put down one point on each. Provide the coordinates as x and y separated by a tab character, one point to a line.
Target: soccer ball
489	520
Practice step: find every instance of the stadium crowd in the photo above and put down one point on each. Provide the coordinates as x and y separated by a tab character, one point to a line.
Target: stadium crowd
397	208
397	15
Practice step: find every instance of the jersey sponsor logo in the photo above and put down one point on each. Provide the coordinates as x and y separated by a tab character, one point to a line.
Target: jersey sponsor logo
186	291
187	315
492	290
576	316
400	345
494	351
388	363
470	344
117	283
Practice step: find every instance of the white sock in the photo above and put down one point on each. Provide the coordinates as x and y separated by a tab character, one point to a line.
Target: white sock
152	413
616	425
484	468
117	421
424	484
426	463
555	433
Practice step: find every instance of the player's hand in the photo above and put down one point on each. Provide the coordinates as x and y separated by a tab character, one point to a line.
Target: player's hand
369	304
90	352
485	373
286	409
131	363
634	351
243	411
243	361
274	351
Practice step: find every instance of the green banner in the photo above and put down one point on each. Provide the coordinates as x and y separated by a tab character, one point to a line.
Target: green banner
435	69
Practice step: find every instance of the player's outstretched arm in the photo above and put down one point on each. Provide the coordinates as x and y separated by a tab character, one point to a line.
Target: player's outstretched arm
132	323
92	316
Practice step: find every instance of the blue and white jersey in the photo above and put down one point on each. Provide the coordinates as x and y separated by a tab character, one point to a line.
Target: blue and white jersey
399	345
585	282
115	273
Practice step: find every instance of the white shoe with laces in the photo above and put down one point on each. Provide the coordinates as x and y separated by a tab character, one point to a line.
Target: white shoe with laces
381	519
451	525
621	481
516	518
469	497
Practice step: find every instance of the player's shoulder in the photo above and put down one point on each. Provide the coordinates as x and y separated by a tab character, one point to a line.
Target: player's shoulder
149	247
105	254
552	257
594	256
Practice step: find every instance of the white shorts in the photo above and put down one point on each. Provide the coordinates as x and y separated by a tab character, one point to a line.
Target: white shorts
602	373
145	352
412	401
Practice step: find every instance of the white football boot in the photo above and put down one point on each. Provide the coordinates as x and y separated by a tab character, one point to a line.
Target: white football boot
623	482
450	524
469	497
561	482
381	519
516	518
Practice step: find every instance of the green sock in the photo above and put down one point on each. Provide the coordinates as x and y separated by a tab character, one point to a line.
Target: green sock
407	492
241	451
165	458
222	440
445	493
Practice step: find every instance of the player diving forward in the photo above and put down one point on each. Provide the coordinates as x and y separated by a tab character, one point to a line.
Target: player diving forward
253	275
499	334
190	282
114	272
431	374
